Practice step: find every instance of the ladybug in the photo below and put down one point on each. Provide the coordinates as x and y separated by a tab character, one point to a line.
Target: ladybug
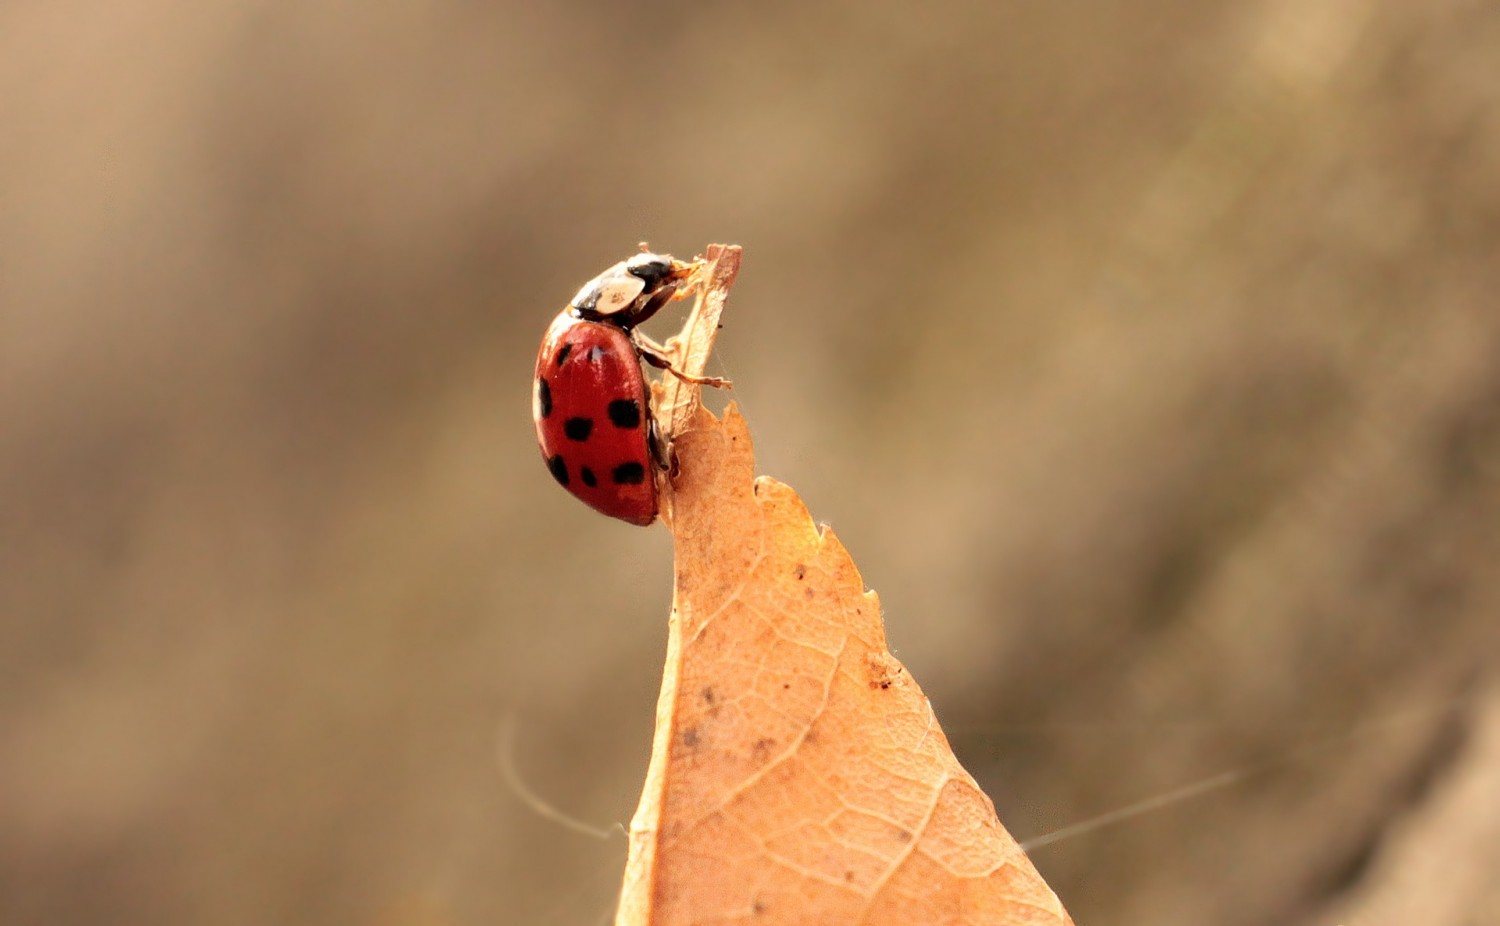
590	403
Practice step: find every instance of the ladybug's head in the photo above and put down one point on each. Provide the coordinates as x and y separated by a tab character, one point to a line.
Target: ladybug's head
653	269
629	292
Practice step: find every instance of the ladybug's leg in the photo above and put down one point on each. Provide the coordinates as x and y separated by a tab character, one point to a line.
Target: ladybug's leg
682	283
656	355
657	441
654	303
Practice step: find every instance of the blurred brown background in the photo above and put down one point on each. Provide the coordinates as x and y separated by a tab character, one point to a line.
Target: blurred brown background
1145	355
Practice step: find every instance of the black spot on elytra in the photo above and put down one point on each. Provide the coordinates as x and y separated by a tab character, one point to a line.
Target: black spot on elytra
578	429
559	469
587	475
543	396
628	474
563	354
625	413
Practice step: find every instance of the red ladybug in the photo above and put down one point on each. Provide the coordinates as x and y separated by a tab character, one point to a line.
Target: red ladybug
593	417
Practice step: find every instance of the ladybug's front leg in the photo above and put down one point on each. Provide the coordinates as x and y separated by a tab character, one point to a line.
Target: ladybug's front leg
656	355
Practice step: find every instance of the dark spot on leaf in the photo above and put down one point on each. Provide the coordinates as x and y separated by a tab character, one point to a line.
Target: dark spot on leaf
690	737
559	469
885	671
801	572
762	749
629	474
904	835
759	907
625	413
708	694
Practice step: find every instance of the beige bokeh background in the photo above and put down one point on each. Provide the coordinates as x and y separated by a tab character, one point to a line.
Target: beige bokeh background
1145	356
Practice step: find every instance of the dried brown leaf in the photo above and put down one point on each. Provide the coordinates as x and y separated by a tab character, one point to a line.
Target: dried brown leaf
798	775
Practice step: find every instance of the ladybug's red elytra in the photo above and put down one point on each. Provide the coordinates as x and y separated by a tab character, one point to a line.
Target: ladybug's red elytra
590	402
